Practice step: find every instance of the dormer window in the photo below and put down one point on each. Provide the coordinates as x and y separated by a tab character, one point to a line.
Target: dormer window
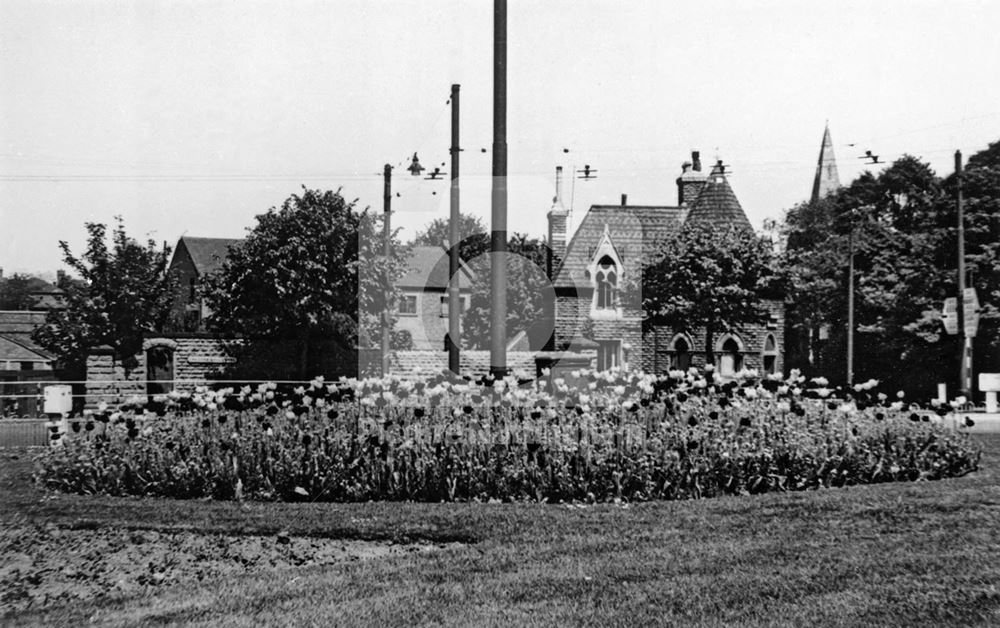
606	278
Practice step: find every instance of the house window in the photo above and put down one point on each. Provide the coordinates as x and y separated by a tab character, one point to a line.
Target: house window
27	366
680	354
606	277
769	356
609	354
730	360
408	305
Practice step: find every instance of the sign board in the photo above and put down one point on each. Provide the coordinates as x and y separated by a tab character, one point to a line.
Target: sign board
989	382
970	312
949	316
210	359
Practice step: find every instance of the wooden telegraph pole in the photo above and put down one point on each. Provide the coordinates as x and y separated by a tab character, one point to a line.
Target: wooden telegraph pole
387	251
454	240
498	236
965	369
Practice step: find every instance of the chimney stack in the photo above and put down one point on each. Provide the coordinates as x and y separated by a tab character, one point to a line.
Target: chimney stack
558	219
624	200
691	181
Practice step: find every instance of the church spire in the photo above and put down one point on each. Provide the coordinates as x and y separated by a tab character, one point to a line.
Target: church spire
826	180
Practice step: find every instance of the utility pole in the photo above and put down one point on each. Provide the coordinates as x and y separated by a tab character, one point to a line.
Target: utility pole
454	241
965	369
498	235
387	251
850	304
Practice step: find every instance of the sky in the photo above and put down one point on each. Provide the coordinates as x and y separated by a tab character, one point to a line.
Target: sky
193	117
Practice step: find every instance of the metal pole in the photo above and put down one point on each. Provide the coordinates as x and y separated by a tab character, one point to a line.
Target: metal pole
498	236
965	368
387	251
454	239
850	306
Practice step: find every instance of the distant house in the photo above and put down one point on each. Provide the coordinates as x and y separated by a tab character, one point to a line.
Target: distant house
193	260
19	354
422	311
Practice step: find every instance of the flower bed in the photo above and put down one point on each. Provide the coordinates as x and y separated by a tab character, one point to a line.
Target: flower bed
607	436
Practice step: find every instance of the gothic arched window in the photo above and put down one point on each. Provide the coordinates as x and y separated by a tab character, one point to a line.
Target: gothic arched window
680	354
769	356
730	357
606	277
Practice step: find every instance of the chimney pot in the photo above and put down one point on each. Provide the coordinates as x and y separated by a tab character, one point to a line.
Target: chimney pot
624	200
696	160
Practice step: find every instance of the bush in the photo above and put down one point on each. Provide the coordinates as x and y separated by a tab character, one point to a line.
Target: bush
613	437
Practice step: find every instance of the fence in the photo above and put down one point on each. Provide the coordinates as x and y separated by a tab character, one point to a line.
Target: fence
23	433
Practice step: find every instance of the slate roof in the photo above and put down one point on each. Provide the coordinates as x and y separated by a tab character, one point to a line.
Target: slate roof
20	322
428	269
208	254
827	179
717	204
17	348
635	231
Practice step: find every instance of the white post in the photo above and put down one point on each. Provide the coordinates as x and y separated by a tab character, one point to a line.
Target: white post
942	396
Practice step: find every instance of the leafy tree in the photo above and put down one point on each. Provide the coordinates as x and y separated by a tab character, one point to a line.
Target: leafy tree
529	295
294	283
472	233
15	293
901	225
124	293
710	279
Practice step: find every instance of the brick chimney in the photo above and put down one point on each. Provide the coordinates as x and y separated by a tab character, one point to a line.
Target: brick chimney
691	181
558	217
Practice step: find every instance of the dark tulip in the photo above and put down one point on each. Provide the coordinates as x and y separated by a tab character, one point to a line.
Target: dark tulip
54	437
333	414
266	425
693	422
942	411
723	402
925	418
633	408
914	417
969	422
133	433
76	426
222	419
535	414
206	423
692	445
713	415
224	446
644	403
832	405
467	409
169	444
800	411
579	410
272	410
130	423
681	397
89	426
745	422
418	412
54	429
306	439
879	416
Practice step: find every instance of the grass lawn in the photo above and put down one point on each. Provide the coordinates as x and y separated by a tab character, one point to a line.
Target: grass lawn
893	554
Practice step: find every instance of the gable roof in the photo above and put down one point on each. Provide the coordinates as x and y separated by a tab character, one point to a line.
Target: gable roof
20	321
717	203
207	254
428	268
17	348
635	231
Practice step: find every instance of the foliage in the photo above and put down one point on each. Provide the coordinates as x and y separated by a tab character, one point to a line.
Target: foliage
15	292
614	437
125	293
472	235
529	295
709	278
297	280
901	226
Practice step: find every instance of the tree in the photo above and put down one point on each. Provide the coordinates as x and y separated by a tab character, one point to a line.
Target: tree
15	293
294	282
902	224
125	293
473	237
711	279
529	295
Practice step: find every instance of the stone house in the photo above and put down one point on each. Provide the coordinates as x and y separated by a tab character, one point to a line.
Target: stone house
193	260
590	273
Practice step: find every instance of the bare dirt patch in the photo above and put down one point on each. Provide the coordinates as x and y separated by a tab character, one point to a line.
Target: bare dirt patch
40	564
